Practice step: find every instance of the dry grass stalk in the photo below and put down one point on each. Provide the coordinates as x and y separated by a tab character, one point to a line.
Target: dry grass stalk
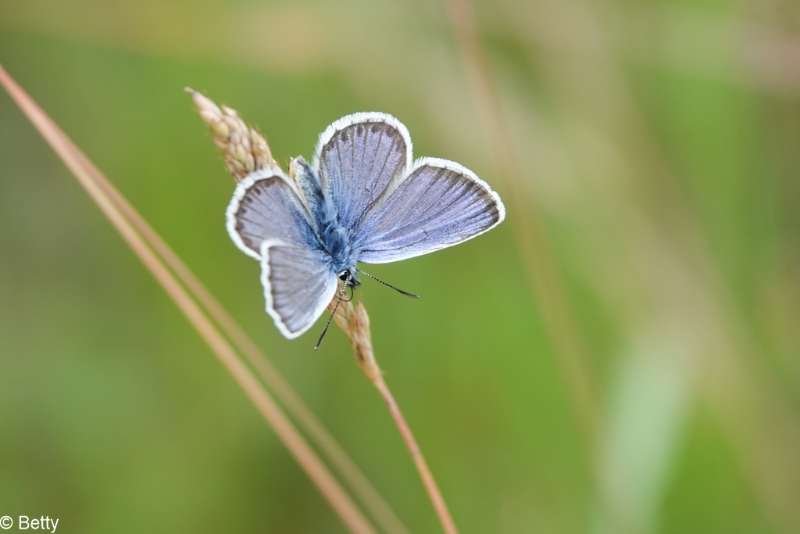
245	148
96	186
354	321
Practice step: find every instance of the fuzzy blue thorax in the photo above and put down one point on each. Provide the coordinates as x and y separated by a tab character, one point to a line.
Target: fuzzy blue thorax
333	238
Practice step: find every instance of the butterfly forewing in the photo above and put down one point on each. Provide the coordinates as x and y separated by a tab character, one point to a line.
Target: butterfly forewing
439	204
266	206
360	159
298	285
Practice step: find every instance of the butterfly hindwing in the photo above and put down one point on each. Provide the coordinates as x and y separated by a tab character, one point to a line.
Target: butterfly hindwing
360	159
439	204
298	285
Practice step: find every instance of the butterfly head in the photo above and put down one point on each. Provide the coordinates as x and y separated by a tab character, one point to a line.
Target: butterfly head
349	277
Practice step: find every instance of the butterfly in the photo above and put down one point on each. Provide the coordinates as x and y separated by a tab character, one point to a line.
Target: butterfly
362	199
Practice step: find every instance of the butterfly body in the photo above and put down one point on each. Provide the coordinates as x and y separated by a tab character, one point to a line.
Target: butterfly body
362	199
333	239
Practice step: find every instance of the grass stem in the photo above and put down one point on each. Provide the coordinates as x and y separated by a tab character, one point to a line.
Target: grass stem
354	321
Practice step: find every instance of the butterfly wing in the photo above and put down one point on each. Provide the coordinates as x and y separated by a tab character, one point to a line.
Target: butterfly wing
266	205
298	285
268	221
360	159
439	204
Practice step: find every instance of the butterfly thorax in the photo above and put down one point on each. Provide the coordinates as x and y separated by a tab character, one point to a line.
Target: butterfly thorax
333	238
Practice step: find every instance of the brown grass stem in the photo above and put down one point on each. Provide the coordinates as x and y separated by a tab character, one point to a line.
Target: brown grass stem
530	232
87	175
354	321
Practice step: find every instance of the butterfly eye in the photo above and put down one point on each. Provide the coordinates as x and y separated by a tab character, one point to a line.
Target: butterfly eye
344	276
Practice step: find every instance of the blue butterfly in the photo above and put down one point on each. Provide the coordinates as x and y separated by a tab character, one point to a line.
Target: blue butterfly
362	199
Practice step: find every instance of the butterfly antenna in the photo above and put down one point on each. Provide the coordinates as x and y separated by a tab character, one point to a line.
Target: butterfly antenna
406	293
324	330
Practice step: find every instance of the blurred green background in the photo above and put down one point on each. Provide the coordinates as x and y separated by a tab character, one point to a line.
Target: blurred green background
660	142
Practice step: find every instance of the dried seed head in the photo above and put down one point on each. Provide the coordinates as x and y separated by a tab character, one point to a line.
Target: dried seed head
354	321
244	148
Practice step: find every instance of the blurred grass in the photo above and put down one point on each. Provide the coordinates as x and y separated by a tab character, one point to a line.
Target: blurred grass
660	139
